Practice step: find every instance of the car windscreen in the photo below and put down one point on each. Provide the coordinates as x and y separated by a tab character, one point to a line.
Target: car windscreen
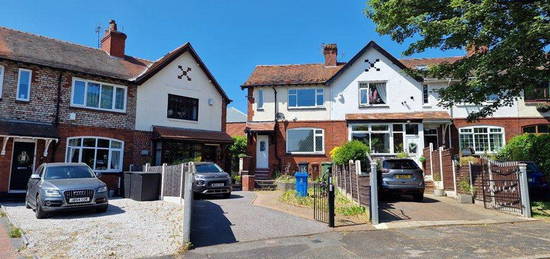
208	168
399	164
68	172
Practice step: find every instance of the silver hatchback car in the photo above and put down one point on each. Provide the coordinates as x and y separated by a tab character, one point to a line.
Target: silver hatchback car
402	176
62	186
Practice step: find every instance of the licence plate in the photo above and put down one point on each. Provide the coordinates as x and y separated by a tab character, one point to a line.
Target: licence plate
218	184
81	199
403	176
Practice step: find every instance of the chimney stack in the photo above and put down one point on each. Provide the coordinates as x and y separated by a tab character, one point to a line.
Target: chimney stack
113	41
331	52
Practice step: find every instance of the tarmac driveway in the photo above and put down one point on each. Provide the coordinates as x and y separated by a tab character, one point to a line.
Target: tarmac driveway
221	221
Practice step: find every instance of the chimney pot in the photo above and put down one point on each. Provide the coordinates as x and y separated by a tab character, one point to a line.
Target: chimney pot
114	42
331	52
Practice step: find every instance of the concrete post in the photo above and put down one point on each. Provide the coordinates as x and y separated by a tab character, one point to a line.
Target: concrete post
523	183
188	202
182	173
162	181
374	193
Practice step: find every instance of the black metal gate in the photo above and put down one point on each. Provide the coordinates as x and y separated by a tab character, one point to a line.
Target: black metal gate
323	201
501	186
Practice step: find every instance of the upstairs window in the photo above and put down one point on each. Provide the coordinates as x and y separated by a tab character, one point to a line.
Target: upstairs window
100	96
539	93
1	80
306	98
183	108
260	99
425	96
372	93
305	141
24	85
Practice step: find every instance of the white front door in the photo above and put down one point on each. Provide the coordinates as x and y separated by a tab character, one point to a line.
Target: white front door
262	151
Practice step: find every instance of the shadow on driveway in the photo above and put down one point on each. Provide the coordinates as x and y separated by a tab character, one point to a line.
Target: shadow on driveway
209	225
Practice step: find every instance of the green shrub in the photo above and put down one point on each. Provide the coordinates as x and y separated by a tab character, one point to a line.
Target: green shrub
286	179
422	159
237	178
402	155
464	186
236	151
353	150
351	210
465	160
528	147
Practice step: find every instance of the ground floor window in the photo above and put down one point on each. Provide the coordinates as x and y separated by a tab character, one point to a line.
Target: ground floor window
386	138
305	141
101	154
481	138
177	152
430	136
540	128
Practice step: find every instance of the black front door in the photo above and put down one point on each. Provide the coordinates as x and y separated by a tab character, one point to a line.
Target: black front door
22	165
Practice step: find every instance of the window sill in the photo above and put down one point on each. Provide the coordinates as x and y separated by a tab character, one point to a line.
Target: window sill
22	101
374	106
260	109
306	108
426	106
306	154
183	120
535	102
97	109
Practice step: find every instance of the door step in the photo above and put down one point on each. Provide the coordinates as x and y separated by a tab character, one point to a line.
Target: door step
265	185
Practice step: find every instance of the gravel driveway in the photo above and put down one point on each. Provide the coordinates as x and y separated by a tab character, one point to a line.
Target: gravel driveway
128	229
221	221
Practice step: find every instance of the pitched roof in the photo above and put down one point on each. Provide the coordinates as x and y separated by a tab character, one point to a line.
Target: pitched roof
235	115
31	48
205	136
277	75
25	47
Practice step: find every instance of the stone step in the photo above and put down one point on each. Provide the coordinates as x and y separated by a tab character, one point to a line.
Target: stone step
265	185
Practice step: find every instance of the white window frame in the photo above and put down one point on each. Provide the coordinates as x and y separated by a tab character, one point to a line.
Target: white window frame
81	147
489	127
18	83
390	131
101	84
367	88
315	135
2	72
318	92
260	103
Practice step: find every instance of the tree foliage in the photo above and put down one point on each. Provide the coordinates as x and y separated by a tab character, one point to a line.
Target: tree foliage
514	35
528	147
237	149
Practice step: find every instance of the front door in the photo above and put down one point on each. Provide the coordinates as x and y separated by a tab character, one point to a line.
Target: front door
262	152
22	165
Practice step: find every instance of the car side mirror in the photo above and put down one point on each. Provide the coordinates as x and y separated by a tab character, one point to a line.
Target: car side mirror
35	176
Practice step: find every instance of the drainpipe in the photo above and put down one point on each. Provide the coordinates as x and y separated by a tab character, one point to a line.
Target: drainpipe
276	129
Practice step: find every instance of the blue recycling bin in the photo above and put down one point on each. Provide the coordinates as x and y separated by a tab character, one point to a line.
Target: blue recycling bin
301	183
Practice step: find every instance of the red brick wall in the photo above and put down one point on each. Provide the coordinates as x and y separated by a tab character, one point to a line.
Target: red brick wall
250	98
235	128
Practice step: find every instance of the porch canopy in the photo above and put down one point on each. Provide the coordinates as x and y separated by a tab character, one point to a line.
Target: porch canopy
435	116
206	136
27	130
260	127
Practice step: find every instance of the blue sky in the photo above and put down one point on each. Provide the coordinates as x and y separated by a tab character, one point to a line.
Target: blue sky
230	36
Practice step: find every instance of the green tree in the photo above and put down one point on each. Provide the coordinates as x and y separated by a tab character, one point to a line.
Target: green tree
514	35
236	149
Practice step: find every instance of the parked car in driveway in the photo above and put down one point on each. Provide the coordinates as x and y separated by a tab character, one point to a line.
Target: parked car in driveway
61	186
402	176
211	179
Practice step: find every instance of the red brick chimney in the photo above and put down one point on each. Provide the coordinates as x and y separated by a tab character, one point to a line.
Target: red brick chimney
113	41
330	51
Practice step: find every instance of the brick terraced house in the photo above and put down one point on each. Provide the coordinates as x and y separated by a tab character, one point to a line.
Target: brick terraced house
299	113
61	101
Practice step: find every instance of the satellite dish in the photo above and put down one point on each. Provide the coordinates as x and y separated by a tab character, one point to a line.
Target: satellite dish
280	116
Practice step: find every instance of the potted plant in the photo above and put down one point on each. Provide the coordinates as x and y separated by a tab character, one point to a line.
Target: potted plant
465	192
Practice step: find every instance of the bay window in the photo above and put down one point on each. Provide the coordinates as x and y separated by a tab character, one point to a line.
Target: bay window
101	154
306	98
372	93
481	138
95	95
305	141
385	138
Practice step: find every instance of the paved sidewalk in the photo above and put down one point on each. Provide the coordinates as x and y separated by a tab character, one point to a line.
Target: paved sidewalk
509	240
7	251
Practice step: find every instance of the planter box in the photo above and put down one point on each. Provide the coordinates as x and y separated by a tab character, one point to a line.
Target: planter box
285	186
439	192
465	198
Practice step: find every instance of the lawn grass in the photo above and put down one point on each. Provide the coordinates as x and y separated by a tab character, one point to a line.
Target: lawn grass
344	205
540	209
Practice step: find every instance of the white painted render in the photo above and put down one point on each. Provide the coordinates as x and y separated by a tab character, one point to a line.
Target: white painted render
152	97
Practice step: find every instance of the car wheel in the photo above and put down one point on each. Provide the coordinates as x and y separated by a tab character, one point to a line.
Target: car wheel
227	195
102	209
419	197
39	213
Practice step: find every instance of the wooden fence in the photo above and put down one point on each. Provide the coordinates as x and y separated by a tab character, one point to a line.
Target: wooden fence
352	183
173	179
439	164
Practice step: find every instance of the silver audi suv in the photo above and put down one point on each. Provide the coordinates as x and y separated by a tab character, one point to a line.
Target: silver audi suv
62	186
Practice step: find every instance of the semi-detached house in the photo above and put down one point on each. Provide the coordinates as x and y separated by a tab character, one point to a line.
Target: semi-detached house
299	113
61	101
